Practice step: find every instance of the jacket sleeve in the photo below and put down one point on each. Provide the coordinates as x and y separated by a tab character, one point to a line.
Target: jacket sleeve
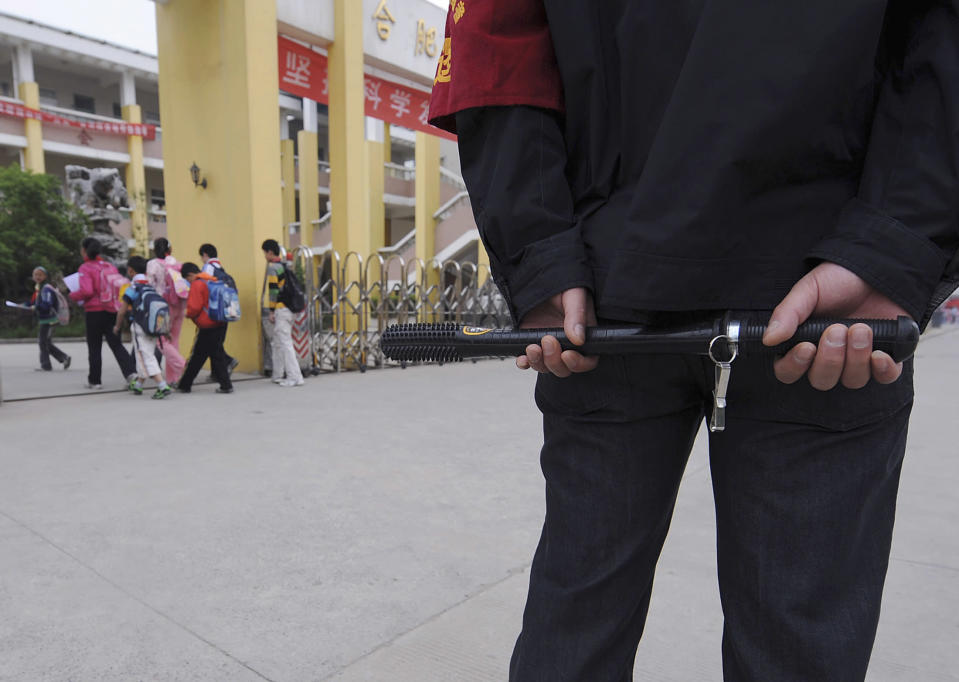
196	300
901	233
85	290
513	161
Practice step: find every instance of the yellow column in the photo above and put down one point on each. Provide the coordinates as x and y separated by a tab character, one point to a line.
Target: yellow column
482	262
218	85
349	186
376	210
288	190
427	202
33	130
137	184
309	185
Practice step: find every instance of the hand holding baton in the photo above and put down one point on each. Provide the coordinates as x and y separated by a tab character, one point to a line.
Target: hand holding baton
722	339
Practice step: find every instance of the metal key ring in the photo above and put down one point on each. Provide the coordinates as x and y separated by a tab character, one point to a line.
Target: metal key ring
732	344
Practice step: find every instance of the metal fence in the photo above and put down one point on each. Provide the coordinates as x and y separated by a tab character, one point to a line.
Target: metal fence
352	300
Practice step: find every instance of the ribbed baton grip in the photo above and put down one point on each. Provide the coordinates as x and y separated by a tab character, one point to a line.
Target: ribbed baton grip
898	338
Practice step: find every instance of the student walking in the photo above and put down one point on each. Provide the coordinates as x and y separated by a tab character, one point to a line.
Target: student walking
284	356
47	303
210	334
133	300
95	293
213	267
163	273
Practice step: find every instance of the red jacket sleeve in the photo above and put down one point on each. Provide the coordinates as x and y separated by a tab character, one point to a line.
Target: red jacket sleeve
197	299
496	53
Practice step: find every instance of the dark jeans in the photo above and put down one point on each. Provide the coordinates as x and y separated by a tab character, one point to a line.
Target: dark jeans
99	327
805	488
208	344
45	339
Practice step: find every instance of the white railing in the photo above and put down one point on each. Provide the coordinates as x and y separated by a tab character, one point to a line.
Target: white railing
395	170
408	239
452	178
443	212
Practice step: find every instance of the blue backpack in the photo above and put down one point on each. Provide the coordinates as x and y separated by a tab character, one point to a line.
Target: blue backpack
224	303
151	311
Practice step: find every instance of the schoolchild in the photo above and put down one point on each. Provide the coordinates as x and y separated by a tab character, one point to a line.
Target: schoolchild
99	303
46	303
284	355
132	297
213	267
163	271
210	334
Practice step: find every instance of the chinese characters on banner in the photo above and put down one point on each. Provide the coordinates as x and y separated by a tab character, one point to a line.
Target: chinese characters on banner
303	72
148	132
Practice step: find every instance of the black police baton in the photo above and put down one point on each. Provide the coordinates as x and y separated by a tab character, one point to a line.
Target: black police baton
735	334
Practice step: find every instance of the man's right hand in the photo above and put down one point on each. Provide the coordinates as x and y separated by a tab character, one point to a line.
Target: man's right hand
573	311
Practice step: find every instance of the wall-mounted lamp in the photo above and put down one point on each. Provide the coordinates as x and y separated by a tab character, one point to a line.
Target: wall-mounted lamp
195	176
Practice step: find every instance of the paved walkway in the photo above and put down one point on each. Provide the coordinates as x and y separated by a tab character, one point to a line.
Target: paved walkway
373	527
21	380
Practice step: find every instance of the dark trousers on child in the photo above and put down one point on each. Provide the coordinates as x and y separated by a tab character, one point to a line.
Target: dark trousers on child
45	339
99	327
208	345
805	487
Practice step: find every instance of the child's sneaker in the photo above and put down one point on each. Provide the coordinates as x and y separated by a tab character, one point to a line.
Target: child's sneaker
162	393
136	389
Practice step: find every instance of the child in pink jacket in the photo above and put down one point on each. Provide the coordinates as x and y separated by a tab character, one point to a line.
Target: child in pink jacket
99	303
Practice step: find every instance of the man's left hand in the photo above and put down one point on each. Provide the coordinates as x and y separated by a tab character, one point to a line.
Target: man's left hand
844	355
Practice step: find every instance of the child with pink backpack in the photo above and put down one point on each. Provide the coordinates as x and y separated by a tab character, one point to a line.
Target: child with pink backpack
163	273
97	292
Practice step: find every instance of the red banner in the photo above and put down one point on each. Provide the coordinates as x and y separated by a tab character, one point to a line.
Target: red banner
148	132
303	72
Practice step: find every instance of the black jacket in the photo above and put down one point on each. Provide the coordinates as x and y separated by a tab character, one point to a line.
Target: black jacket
712	152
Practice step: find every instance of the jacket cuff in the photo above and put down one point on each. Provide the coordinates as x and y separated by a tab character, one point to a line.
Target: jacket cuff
896	261
547	267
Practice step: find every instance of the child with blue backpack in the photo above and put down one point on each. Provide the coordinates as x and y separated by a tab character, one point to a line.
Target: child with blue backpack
211	329
51	309
149	319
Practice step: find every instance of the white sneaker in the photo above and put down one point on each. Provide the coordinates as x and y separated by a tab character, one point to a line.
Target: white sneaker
93	387
291	382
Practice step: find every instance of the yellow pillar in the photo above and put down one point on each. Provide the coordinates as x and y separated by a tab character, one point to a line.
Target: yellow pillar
427	202
218	85
309	185
33	130
376	211
349	186
288	190
137	184
482	263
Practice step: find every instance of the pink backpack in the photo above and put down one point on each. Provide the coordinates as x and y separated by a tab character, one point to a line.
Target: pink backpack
176	288
109	284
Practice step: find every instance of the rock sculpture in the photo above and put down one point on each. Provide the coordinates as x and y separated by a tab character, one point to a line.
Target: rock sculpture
99	192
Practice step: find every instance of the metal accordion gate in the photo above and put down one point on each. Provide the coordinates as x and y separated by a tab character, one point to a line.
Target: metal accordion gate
351	300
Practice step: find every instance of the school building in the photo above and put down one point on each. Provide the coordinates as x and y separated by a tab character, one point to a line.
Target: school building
299	120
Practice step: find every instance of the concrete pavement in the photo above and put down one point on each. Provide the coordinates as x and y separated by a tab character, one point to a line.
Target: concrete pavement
373	527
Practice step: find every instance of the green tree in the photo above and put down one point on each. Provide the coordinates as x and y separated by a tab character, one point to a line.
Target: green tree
37	227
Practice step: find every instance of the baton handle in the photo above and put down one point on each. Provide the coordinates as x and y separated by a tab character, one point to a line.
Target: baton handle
898	338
